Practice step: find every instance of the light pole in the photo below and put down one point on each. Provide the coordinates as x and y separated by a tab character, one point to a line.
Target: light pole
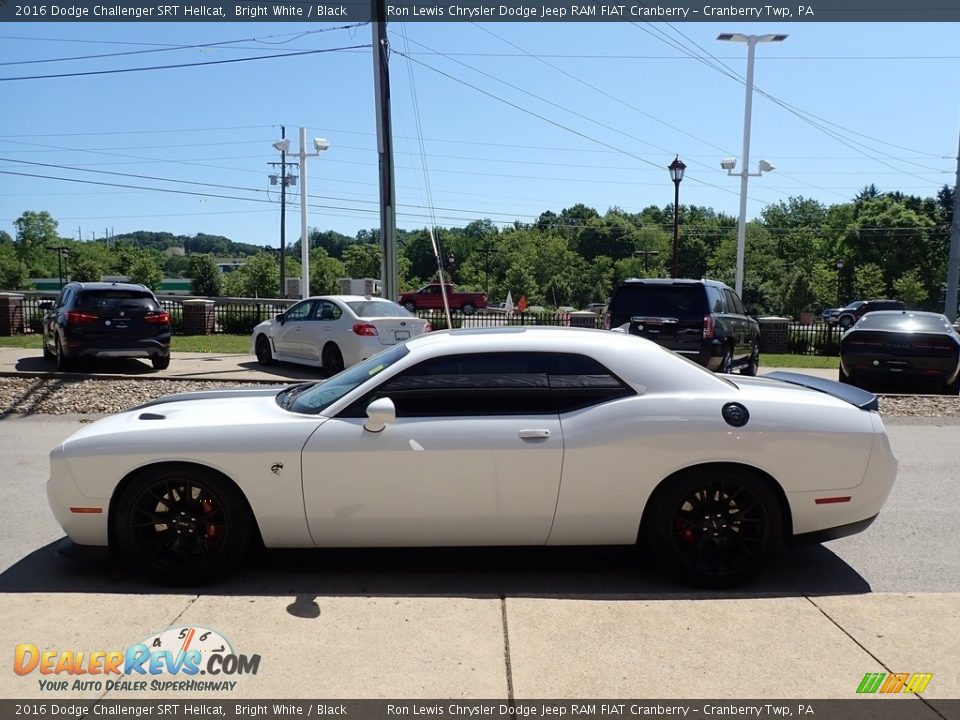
319	145
840	265
646	254
62	253
284	180
676	169
729	164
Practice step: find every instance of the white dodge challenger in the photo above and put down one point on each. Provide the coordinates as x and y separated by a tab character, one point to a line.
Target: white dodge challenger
500	437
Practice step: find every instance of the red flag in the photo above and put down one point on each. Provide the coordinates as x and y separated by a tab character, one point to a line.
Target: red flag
522	304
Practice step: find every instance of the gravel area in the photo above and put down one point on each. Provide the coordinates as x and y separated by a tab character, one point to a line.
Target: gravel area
60	396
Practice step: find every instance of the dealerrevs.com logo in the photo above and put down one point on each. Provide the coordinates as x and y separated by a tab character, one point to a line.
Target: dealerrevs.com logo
894	683
176	659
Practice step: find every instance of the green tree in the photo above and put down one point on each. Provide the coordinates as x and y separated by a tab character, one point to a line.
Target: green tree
13	275
86	269
910	289
35	232
206	278
146	270
324	272
362	260
260	276
868	282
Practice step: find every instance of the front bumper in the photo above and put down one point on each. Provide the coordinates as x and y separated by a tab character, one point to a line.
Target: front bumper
85	520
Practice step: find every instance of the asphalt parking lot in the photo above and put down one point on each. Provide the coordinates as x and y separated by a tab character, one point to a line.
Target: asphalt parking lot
517	623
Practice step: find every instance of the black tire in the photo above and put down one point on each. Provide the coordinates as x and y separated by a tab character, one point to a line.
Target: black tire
160	362
47	355
262	349
64	364
753	364
410	306
844	378
332	359
714	526
952	388
181	525
469	309
845	322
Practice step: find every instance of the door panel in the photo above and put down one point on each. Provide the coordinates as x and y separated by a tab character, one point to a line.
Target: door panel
422	481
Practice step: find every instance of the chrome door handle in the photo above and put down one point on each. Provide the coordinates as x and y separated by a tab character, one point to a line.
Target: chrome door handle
534	434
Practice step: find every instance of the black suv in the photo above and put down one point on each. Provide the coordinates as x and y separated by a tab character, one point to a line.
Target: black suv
702	320
854	311
93	320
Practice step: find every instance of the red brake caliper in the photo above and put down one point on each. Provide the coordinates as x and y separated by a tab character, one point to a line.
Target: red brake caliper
207	507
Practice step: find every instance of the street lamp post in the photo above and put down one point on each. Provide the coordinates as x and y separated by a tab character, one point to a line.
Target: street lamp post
728	165
62	253
840	265
676	169
319	145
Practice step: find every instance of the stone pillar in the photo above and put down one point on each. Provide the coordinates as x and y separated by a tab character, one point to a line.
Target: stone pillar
198	317
11	314
774	334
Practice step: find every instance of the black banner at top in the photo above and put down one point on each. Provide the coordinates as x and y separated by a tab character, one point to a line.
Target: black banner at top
741	11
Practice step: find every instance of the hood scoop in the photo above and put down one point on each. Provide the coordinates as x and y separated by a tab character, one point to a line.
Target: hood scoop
151	416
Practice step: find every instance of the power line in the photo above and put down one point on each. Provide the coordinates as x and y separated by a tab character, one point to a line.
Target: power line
182	65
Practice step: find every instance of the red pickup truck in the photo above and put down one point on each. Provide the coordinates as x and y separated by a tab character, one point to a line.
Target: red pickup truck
430	296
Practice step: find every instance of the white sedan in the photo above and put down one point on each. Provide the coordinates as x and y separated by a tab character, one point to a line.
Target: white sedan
334	331
503	436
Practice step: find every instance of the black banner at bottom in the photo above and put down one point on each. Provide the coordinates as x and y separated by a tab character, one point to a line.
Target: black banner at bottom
874	708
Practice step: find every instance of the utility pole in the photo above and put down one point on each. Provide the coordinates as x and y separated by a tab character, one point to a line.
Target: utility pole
953	263
283	211
388	216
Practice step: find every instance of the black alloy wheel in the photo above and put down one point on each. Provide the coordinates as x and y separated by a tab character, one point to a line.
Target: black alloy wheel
714	527
332	360
262	350
182	526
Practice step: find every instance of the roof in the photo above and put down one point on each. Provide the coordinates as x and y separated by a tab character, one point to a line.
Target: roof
109	286
673	281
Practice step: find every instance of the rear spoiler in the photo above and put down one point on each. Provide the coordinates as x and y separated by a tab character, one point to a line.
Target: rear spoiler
848	393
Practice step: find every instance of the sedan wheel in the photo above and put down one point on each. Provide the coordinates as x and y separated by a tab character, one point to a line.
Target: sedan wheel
715	526
262	349
332	360
181	525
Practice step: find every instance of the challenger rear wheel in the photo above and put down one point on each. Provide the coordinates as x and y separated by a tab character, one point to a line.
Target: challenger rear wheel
182	525
714	526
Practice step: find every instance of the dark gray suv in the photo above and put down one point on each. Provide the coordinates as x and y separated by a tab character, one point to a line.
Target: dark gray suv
703	320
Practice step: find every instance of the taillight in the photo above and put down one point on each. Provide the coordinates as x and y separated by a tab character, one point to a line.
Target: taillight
78	318
428	328
606	321
365	329
158	318
708	326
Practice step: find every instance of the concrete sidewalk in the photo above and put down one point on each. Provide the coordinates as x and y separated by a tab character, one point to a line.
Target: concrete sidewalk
206	366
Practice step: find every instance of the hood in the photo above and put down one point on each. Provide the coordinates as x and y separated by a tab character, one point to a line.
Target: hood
193	414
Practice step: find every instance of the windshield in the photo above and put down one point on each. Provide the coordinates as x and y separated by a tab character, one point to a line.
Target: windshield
377	308
314	399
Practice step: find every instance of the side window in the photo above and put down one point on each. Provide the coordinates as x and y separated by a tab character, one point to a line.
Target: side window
715	299
731	303
738	304
61	298
497	384
327	311
300	311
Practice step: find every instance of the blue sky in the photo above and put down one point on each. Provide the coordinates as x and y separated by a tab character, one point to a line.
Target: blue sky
615	102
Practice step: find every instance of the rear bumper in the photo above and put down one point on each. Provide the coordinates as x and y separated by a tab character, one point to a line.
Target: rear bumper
893	369
141	348
834	533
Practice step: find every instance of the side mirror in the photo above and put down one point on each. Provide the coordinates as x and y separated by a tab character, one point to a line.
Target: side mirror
380	413
281	318
45	305
751	311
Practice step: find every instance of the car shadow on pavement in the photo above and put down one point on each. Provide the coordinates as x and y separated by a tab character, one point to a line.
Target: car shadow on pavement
105	366
289	371
603	573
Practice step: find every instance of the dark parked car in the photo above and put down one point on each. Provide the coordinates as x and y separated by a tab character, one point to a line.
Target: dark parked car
901	348
702	320
95	320
849	315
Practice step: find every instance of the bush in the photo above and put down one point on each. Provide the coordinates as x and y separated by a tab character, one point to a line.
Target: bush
242	319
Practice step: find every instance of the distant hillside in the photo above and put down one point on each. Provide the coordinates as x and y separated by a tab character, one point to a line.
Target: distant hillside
199	243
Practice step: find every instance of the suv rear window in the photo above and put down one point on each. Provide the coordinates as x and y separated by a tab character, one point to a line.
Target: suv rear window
684	302
115	299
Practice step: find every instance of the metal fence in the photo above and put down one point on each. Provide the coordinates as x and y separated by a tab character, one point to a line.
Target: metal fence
238	316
